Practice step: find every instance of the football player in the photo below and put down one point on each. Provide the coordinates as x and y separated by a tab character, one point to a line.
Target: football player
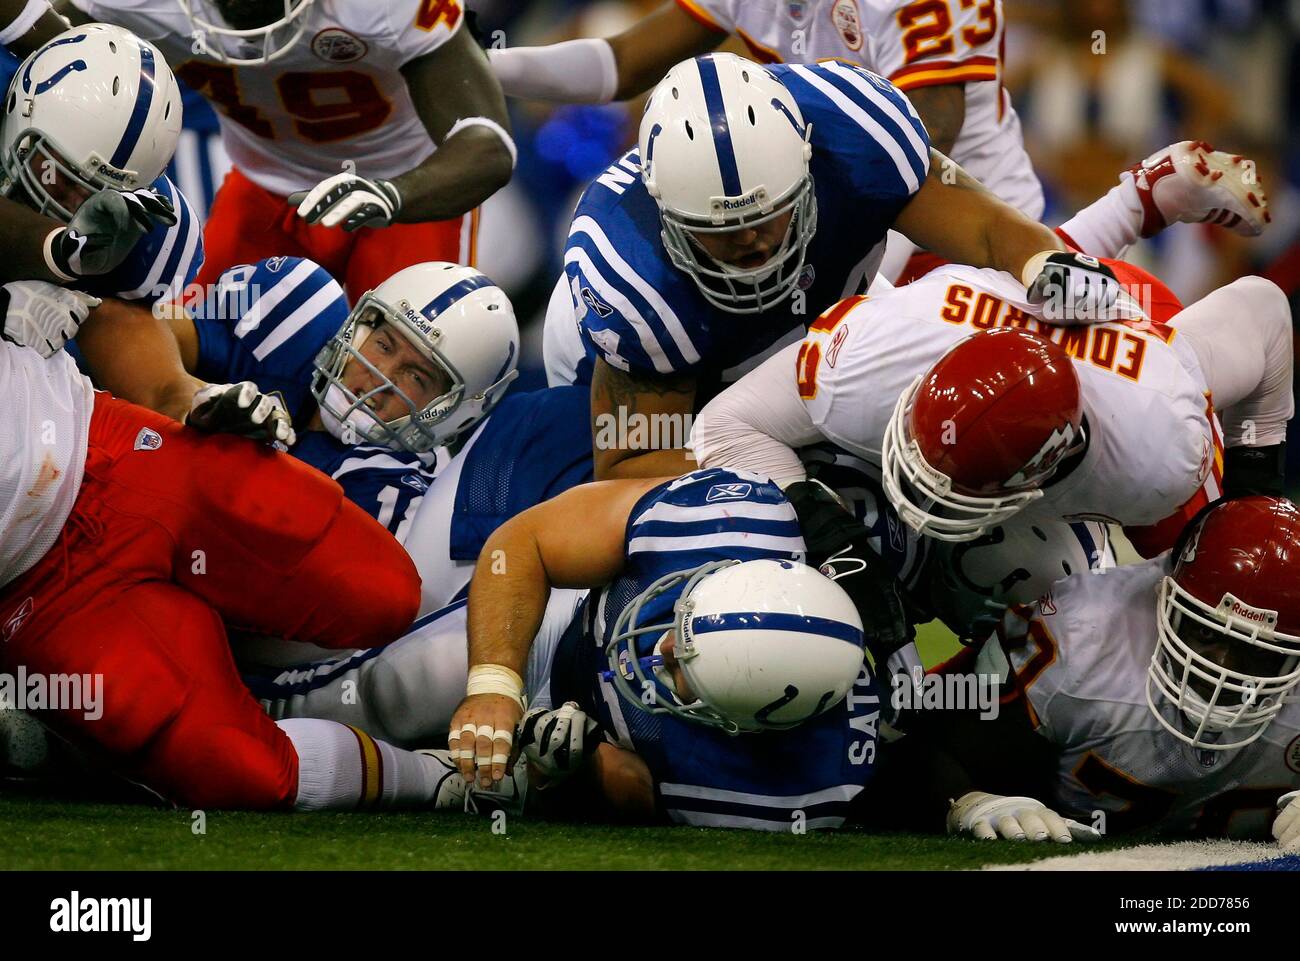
196	531
1111	422
338	116
763	198
946	56
1160	693
96	112
392	398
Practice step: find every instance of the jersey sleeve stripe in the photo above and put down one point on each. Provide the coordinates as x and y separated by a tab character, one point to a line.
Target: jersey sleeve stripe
840	792
267	301
940	72
887	141
714	820
893	106
697	13
650	344
717	108
184	262
139	111
665	313
686	513
184	222
374	461
297	320
712	541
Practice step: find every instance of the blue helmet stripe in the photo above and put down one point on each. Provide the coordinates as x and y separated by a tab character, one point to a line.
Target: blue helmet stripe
454	293
776	621
718	123
143	98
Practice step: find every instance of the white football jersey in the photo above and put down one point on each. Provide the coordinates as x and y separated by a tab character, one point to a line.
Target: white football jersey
913	43
1081	657
43	433
1151	444
336	98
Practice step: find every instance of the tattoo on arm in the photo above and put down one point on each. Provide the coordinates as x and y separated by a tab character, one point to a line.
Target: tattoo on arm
623	388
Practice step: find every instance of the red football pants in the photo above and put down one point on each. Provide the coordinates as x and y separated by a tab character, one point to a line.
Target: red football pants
248	224
161	546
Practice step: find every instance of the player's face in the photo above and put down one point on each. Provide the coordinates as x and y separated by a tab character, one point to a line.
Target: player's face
747	247
674	668
1229	653
65	191
397	359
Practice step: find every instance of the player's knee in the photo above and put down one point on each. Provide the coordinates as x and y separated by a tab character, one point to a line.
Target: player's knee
1265	307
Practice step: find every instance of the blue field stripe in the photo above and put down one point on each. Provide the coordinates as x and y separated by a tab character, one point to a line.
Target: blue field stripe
718	124
1287	862
143	98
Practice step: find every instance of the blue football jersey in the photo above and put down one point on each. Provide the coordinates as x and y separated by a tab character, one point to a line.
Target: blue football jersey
769	781
870	155
266	322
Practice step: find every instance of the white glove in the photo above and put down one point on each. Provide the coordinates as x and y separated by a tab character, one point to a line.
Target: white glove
991	816
557	742
1071	288
1286	827
43	316
243	410
349	200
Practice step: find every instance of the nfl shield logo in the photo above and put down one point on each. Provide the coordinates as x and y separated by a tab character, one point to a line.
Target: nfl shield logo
148	439
796	8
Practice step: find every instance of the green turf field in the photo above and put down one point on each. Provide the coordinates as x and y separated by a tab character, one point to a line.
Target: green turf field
45	834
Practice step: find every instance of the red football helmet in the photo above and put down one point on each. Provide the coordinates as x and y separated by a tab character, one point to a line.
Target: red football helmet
1228	648
978	433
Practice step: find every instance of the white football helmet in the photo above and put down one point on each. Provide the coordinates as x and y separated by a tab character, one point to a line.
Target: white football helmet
764	645
971	583
214	33
96	107
453	315
723	145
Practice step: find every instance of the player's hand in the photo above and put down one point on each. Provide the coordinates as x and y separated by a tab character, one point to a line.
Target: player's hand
43	316
106	228
1071	288
482	737
556	743
243	410
349	201
991	816
1286	827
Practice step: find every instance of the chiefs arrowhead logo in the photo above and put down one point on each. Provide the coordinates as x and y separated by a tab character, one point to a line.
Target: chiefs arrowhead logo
1046	459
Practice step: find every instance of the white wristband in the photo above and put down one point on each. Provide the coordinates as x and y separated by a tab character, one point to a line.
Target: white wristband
492	125
34	10
48	250
495	679
1034	266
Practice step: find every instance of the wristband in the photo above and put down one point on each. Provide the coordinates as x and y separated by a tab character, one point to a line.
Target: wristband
1034	266
48	251
495	679
492	125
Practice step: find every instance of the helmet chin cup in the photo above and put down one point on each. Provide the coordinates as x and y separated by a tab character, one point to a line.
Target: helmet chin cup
266	44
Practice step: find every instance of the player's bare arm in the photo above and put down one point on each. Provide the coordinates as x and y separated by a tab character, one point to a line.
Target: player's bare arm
27	24
596	70
574	540
449	86
134	354
943	111
954	216
630	398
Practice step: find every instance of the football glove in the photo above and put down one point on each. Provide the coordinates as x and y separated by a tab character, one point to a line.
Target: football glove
991	816
349	201
43	316
243	410
1071	288
1286	827
105	229
557	742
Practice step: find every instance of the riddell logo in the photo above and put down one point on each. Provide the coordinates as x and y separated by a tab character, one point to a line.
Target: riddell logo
729	204
1253	614
112	173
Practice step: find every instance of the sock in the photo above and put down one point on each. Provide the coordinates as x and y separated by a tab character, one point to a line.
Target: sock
342	768
1107	226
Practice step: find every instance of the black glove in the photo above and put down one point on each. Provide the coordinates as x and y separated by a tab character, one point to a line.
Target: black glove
838	546
1074	288
243	410
1255	470
106	228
